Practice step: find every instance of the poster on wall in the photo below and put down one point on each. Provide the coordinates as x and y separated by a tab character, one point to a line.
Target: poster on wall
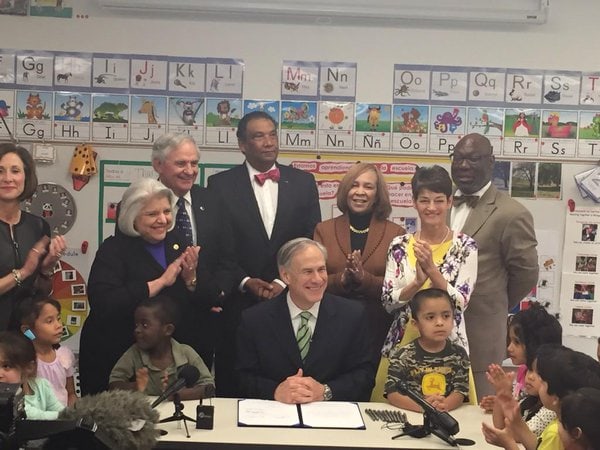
580	310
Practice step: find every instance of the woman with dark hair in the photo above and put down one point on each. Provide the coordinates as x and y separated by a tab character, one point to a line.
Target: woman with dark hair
357	243
435	256
25	245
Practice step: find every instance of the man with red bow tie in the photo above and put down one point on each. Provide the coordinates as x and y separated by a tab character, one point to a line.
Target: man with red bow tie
265	205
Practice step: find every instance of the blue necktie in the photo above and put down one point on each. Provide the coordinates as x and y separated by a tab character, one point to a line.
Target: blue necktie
183	224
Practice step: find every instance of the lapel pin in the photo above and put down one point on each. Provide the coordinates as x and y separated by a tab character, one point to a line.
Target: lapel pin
175	246
201	208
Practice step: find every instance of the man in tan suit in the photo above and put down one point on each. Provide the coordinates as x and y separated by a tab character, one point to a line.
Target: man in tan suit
507	262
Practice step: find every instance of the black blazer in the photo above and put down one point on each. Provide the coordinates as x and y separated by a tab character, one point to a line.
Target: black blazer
216	248
117	283
298	212
338	355
216	254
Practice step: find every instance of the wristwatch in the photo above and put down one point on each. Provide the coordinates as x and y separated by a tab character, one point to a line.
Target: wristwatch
327	395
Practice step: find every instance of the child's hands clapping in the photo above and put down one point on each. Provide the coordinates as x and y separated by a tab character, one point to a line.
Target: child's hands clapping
498	437
500	380
487	403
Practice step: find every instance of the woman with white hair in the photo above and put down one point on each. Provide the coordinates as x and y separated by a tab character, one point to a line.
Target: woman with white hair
145	259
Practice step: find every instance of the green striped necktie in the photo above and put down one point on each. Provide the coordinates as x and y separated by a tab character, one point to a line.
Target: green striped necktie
304	334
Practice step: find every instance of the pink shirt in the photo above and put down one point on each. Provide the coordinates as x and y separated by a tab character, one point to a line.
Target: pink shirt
57	372
519	386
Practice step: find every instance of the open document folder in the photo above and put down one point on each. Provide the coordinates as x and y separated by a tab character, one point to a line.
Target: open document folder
269	413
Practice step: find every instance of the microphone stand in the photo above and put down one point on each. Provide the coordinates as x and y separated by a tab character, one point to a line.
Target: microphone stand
178	414
428	427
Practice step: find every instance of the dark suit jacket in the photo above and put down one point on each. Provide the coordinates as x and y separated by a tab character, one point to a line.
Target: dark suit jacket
216	251
298	212
117	283
216	254
338	355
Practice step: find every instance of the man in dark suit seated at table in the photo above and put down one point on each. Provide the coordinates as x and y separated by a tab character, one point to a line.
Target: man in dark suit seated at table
305	345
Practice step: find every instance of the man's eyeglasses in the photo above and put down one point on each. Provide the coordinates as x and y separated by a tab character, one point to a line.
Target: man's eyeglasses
471	160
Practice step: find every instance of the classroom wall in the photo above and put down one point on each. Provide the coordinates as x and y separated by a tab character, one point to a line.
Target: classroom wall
566	42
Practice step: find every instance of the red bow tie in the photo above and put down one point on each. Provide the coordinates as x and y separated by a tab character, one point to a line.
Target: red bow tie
272	174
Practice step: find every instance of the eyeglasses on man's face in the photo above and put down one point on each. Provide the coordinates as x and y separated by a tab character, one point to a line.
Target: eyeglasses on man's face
470	160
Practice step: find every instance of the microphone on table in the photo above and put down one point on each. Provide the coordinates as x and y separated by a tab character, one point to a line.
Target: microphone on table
187	376
438	419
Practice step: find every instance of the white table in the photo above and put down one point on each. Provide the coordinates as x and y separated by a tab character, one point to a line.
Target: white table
227	434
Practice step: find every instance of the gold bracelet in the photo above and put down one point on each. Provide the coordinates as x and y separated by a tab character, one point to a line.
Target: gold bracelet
17	277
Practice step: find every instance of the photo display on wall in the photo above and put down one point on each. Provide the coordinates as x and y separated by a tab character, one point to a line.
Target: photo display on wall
580	313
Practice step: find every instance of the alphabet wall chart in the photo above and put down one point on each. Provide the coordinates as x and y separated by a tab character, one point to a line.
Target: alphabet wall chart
105	98
110	98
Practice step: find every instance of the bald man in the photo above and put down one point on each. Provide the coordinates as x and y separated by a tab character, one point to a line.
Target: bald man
507	261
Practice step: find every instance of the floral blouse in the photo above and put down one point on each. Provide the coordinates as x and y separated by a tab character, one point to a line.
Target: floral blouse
459	268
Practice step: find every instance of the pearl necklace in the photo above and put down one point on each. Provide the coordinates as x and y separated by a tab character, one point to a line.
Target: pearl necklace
442	241
357	231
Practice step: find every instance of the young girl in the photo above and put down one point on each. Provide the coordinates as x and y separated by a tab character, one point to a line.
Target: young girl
18	365
527	330
39	319
562	371
578	427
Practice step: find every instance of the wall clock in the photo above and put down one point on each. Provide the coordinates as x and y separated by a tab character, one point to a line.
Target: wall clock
55	204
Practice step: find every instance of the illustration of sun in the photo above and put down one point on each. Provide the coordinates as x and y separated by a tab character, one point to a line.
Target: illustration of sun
336	115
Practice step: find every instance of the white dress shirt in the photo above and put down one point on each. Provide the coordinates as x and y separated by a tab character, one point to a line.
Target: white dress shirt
295	315
266	197
188	207
460	214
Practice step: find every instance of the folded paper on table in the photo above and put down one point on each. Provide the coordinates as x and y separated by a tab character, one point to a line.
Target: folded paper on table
269	413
